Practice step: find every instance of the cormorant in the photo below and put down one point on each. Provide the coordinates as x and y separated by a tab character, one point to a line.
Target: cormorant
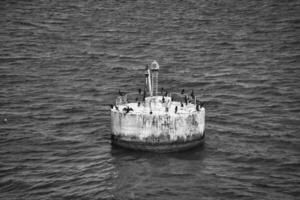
197	107
139	103
182	91
176	108
181	104
185	99
140	91
163	99
166	94
121	93
127	109
111	106
161	90
202	104
192	94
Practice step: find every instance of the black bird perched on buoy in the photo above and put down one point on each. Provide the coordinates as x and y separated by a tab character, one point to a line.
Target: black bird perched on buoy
140	91
202	104
197	107
185	99
176	108
163	99
127	109
192	94
181	104
111	106
121	93
166	94
139	103
182	91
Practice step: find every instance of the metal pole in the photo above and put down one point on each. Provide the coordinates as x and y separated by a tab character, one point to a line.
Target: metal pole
156	90
150	82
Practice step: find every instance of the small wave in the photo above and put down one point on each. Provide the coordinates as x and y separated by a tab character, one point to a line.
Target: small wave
13	185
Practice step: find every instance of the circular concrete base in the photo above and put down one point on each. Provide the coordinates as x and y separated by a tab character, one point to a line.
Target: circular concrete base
159	147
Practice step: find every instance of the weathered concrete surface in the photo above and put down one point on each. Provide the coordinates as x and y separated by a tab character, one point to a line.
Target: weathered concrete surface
160	126
161	147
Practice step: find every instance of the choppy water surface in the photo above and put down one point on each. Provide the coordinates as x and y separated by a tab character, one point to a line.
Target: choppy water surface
62	63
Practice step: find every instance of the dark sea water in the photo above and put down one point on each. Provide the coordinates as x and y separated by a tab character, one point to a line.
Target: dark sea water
63	62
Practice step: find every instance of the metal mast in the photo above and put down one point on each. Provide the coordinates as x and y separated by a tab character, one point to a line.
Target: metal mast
154	68
148	83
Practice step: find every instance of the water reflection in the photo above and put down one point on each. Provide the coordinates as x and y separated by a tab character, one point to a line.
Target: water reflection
147	175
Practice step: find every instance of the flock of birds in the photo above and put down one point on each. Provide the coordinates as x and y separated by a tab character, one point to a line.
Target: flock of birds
128	109
165	93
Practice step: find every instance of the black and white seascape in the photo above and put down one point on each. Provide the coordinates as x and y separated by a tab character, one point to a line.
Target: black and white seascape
63	62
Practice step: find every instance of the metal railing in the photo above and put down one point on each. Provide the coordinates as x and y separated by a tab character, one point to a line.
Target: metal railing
175	96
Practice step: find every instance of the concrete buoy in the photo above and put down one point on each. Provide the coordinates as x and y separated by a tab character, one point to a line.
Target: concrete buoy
148	125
